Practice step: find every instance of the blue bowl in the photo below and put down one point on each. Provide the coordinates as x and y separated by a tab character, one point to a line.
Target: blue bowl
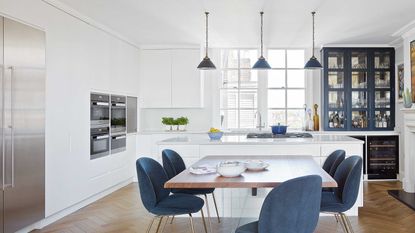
215	136
279	129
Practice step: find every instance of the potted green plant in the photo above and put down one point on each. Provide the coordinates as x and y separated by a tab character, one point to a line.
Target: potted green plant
181	123
168	122
407	99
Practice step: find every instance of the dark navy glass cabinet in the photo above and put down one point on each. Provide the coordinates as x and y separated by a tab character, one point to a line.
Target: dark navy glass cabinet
358	89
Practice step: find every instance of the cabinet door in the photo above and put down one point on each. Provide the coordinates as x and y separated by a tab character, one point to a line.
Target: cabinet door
187	85
155	80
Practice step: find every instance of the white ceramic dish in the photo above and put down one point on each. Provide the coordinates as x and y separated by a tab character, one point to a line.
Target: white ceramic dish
256	165
231	168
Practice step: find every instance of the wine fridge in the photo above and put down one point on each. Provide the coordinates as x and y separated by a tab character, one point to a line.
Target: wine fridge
382	157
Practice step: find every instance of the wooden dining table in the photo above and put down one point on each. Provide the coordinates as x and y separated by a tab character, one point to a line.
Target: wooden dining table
280	169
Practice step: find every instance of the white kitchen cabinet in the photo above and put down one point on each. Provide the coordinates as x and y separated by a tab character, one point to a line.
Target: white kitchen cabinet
155	83
170	79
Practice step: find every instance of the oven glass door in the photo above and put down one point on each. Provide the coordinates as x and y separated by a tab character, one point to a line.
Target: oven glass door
100	113
100	145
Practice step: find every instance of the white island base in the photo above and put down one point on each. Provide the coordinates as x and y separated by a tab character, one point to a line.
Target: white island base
238	203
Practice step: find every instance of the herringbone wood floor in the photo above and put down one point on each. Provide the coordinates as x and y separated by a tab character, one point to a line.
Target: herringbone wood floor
122	211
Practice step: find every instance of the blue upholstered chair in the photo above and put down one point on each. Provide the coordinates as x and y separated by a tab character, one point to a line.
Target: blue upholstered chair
157	200
348	177
292	207
333	161
173	164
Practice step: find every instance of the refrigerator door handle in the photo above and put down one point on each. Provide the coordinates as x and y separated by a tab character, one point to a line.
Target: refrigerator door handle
3	160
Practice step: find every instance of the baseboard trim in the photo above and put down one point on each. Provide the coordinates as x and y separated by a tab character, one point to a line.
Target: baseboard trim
65	212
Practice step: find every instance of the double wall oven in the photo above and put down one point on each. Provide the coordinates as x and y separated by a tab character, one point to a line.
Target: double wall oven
108	124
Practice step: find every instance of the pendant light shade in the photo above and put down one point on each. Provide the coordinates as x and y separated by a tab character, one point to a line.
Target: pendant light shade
313	63
206	63
261	64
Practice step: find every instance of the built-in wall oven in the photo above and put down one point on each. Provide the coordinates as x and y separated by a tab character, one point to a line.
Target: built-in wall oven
100	141
100	109
118	114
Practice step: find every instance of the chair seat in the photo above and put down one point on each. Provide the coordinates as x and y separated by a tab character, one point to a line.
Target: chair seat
248	228
177	204
194	191
331	203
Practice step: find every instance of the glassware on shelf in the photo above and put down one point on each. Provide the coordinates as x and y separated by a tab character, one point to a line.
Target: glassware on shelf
336	99
382	99
359	79
382	119
359	60
336	119
382	79
336	79
335	60
359	99
359	119
382	60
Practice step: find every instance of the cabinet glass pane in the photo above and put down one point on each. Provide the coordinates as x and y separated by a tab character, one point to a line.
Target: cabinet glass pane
336	99
249	78
295	118
229	79
382	79
382	99
359	119
276	78
359	99
229	98
359	60
382	60
336	79
359	79
382	119
336	119
276	98
276	116
335	60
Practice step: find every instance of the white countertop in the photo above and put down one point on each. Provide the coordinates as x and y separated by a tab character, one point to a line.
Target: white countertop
354	133
242	140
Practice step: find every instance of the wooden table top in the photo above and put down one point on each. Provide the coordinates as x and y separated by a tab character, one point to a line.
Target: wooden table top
281	168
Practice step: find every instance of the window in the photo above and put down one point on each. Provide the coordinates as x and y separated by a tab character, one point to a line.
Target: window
279	93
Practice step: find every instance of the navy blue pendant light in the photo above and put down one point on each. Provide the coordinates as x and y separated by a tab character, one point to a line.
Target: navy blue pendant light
206	63
261	64
313	63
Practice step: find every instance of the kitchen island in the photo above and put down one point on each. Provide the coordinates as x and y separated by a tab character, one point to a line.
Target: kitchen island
235	202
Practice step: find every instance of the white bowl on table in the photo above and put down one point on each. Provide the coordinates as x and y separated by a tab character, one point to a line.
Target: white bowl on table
256	165
230	168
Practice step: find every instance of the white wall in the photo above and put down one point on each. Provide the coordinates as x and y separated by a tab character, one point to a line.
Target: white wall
80	58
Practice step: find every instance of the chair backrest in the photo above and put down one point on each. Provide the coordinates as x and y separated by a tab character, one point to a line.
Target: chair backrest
292	207
333	161
348	177
151	179
172	163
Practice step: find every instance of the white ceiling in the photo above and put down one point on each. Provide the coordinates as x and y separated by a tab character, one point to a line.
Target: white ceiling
235	23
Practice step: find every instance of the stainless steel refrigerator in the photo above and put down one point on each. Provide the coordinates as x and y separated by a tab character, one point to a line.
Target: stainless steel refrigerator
22	117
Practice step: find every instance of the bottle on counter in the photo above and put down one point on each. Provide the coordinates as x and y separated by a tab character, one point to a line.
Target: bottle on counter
316	119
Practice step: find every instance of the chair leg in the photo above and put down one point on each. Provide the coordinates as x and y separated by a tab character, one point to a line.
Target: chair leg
208	212
216	206
158	226
151	224
172	218
337	217
342	223
164	225
347	223
191	223
203	219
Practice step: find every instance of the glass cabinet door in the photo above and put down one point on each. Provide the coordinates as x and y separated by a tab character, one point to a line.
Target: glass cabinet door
359	83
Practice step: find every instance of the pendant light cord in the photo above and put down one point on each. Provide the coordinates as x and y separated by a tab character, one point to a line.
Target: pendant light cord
207	13
313	13
262	42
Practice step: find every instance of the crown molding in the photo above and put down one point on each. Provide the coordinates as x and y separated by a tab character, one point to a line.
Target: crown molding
356	45
397	43
403	30
85	19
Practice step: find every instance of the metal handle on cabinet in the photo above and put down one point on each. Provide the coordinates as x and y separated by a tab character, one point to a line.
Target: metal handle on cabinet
12	119
102	137
2	130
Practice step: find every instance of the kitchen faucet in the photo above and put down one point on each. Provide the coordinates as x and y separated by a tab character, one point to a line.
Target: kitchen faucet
259	125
